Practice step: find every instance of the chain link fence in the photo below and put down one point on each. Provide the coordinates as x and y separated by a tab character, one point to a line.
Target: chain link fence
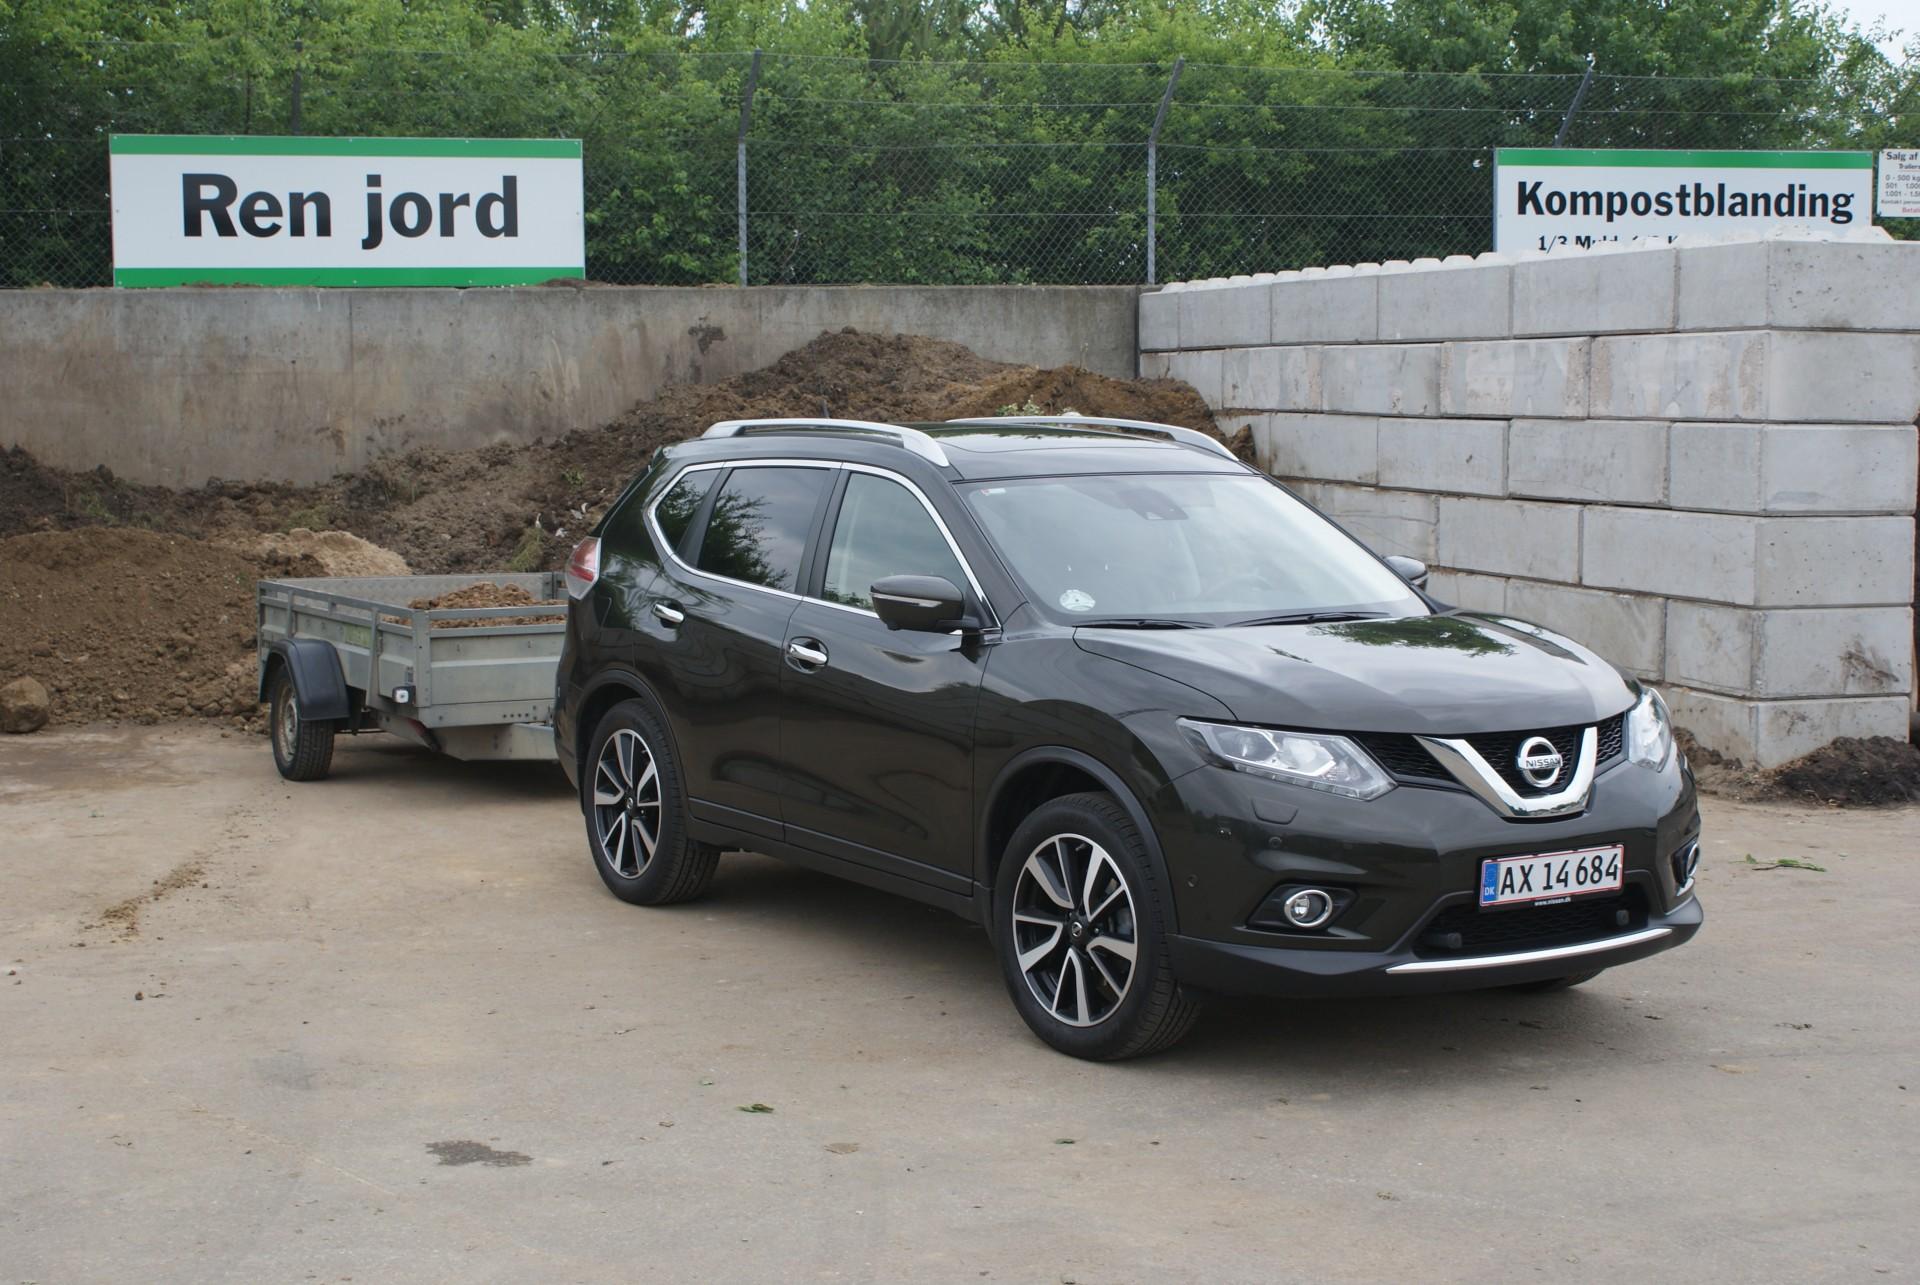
791	169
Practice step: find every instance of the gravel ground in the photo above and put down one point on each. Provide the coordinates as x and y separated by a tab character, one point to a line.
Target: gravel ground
390	1027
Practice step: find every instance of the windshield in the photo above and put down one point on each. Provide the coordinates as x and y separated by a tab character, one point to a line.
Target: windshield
1167	549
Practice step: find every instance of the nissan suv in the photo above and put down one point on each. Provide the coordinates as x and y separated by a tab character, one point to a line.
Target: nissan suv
1159	725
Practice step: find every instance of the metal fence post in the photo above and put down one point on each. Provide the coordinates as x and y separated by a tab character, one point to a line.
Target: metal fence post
1153	167
1579	96
740	157
293	124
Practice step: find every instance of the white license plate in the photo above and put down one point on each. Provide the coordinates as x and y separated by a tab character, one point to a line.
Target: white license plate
1551	877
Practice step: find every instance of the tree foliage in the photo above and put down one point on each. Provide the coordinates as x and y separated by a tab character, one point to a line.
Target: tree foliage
940	141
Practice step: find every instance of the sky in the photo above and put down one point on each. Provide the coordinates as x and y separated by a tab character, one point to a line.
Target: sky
1898	13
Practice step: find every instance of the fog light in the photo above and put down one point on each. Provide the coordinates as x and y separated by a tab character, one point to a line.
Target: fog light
1686	864
1308	908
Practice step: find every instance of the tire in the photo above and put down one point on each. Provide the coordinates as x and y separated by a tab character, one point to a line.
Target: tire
1071	990
1548	986
302	748
631	789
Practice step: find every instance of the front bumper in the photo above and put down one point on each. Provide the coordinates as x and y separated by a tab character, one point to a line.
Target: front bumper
1403	862
1234	969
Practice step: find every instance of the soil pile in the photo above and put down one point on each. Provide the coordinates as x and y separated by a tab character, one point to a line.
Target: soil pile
522	507
488	594
133	601
338	553
1848	772
132	624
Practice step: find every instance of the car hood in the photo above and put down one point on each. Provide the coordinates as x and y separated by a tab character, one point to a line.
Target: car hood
1443	675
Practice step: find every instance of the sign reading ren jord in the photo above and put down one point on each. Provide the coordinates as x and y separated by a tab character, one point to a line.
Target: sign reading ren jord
345	211
1573	198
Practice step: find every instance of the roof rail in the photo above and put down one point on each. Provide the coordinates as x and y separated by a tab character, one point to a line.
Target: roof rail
911	438
1172	432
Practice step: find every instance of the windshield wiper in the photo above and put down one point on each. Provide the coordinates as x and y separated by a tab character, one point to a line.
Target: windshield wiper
1312	618
1141	622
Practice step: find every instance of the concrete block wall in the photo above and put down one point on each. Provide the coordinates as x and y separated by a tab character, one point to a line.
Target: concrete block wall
1697	458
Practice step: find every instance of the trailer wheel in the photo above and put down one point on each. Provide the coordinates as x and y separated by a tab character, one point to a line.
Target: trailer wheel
636	811
302	748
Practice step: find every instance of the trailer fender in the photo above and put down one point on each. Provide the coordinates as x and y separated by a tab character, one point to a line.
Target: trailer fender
317	681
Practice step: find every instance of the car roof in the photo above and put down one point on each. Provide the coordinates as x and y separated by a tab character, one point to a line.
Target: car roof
970	450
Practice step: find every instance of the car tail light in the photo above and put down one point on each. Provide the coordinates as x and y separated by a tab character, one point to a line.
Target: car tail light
583	567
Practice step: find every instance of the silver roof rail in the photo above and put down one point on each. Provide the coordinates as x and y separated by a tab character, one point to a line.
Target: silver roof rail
911	438
1172	432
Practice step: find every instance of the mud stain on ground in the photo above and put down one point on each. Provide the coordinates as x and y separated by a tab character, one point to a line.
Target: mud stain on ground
477	1153
123	917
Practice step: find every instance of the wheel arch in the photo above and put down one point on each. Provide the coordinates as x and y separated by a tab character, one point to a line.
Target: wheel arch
1037	776
314	667
607	689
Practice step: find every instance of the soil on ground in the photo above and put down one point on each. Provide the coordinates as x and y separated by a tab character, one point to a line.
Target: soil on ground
126	624
1848	772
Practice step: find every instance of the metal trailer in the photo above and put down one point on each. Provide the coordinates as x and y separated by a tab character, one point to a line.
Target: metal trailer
349	654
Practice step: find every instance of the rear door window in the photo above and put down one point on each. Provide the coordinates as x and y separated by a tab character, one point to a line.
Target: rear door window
758	529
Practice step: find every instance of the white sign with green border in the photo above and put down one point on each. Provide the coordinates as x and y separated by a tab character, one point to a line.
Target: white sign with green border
193	209
1575	198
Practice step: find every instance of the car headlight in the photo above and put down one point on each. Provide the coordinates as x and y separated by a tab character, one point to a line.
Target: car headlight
1317	761
1650	732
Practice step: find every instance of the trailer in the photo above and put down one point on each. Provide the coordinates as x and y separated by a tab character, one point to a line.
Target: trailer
351	655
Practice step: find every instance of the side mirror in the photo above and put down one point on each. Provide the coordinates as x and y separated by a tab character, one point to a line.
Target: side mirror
923	604
1411	570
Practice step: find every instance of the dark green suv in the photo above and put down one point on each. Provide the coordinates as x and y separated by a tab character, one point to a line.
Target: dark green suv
1156	723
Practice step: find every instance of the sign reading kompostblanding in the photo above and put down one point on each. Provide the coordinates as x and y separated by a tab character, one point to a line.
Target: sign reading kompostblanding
1574	198
345	211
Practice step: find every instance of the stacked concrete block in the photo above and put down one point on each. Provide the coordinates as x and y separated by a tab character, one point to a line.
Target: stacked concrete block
1698	458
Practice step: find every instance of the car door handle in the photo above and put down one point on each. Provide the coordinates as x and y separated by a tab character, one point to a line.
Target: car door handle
670	614
807	651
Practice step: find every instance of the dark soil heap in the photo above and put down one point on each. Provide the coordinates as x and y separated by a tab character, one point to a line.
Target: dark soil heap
136	602
523	506
131	624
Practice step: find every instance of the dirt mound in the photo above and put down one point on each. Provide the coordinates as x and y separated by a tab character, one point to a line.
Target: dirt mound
488	594
1848	772
133	601
132	624
338	553
522	507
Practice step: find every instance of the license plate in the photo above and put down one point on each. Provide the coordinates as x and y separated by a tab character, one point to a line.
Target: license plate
1551	877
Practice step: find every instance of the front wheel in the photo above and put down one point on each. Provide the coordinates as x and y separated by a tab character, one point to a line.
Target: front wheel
636	812
302	748
1080	928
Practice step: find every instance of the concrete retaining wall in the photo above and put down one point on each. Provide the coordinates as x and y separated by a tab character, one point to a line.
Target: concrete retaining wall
177	386
1699	459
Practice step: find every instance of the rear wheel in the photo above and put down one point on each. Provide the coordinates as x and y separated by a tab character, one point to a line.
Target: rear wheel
1548	985
302	748
1080	928
636	812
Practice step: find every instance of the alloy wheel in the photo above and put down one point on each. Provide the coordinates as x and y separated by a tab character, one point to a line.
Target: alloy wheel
626	803
1074	930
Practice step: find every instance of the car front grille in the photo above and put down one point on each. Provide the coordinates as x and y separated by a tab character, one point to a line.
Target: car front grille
1405	759
1501	750
1468	930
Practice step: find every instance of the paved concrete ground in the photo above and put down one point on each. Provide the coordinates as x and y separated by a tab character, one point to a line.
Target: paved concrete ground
393	1028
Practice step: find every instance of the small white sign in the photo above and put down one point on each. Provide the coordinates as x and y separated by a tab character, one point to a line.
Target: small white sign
1900	185
1576	198
345	211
